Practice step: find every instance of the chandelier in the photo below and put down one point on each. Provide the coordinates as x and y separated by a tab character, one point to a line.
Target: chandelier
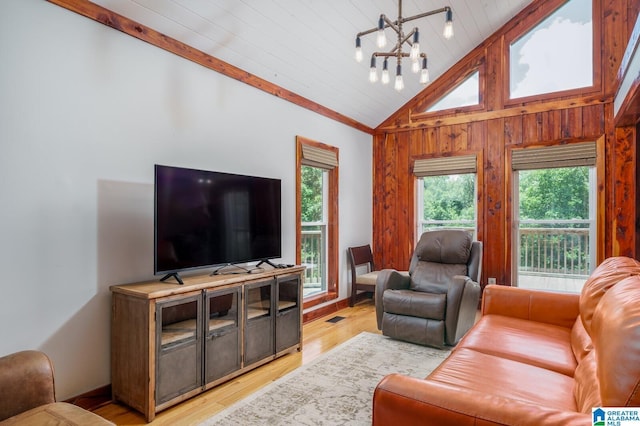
418	59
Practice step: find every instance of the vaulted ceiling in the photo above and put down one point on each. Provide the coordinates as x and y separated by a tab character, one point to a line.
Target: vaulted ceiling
307	46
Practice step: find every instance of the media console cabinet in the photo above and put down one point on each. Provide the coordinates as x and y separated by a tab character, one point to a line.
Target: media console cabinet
170	342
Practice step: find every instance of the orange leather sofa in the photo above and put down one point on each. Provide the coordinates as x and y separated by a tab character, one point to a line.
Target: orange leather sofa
533	358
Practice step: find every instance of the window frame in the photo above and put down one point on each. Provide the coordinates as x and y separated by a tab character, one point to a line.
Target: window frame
526	25
599	201
331	292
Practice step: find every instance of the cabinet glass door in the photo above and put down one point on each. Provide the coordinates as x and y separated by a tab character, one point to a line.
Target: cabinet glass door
178	346
288	312
259	321
222	341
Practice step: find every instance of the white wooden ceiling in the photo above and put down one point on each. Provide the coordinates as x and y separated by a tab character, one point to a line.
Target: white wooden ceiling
307	46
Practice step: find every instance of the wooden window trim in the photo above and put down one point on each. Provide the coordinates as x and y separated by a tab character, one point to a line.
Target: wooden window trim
332	223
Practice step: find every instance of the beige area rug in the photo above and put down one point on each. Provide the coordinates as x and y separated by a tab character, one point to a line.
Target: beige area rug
334	389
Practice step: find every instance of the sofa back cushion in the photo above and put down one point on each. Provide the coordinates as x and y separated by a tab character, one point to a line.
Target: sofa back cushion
586	388
605	276
581	343
615	331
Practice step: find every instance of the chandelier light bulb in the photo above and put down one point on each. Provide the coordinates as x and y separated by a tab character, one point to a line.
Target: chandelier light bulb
424	76
415	47
381	39
448	25
373	73
385	72
358	50
415	66
399	84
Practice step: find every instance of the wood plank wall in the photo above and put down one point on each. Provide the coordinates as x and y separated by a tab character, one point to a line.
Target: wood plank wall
498	126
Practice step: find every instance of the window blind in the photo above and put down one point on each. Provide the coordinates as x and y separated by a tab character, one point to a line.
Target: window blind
570	155
318	157
439	166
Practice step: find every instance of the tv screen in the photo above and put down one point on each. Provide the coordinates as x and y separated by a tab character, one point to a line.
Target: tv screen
207	218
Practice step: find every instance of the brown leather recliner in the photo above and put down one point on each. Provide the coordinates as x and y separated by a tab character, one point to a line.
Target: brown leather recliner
436	303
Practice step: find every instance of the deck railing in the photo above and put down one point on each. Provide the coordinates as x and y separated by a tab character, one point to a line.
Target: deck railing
558	247
557	251
313	258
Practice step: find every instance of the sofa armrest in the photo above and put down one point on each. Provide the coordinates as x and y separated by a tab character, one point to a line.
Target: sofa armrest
536	305
388	279
408	401
26	382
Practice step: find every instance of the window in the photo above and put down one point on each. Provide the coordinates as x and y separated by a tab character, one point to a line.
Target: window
466	93
555	55
446	193
317	213
554	216
314	229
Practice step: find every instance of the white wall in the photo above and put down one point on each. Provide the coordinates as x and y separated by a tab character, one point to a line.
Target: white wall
85	113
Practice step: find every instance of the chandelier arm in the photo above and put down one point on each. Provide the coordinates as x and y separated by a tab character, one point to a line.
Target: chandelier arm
391	24
403	20
406	39
424	15
392	54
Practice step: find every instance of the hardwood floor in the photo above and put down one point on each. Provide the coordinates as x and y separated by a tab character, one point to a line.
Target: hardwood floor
319	336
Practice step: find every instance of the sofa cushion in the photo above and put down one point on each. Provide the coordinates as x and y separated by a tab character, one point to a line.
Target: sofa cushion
539	344
581	343
616	341
415	304
506	378
57	413
606	275
586	389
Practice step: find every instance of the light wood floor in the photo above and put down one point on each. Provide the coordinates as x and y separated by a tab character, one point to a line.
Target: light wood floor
319	336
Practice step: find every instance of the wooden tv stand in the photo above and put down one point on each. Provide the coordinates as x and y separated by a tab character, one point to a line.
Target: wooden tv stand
170	342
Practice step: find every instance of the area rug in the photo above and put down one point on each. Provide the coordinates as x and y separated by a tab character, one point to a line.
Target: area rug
334	389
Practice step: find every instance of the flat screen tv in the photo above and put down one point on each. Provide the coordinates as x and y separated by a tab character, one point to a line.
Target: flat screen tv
207	218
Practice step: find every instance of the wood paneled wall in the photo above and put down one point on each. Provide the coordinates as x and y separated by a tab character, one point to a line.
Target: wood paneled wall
497	126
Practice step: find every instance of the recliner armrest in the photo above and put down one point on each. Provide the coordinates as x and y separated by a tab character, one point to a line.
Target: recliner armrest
409	401
26	382
462	305
388	279
536	305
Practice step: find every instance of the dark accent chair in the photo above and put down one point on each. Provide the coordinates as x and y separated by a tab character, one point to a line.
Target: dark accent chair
361	258
436	304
